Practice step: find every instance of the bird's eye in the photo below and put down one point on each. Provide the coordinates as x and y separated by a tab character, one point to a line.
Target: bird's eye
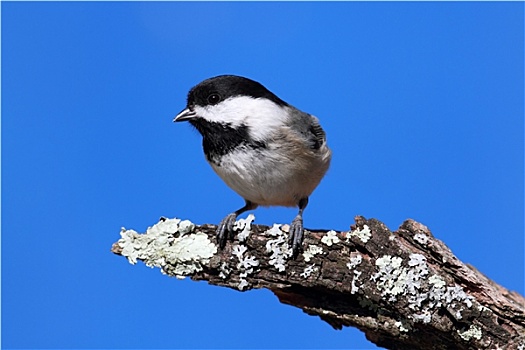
214	99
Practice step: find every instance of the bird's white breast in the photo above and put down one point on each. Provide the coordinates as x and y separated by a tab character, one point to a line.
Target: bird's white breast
280	174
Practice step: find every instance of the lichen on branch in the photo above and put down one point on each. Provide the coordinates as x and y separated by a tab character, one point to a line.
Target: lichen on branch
404	289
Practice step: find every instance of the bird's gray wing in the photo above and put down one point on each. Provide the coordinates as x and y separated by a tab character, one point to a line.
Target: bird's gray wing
317	134
308	127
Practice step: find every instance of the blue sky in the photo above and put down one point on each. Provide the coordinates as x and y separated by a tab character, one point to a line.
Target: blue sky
422	104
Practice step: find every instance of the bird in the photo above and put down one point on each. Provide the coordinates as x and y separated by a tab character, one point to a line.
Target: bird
266	150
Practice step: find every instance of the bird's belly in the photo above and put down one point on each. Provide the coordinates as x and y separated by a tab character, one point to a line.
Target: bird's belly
262	178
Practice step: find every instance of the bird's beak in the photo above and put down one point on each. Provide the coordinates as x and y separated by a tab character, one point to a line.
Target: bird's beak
185	114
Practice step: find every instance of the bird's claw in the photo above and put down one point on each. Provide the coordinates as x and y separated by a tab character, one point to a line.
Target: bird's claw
296	236
225	229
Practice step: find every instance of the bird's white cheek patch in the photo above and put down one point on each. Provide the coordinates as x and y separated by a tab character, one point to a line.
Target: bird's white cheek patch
261	116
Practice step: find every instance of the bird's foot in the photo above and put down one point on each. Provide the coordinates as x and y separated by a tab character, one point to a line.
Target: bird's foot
225	229
295	239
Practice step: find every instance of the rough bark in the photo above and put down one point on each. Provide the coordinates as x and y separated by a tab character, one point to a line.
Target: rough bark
403	289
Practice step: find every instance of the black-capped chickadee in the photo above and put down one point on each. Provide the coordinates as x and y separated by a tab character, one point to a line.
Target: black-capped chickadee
266	150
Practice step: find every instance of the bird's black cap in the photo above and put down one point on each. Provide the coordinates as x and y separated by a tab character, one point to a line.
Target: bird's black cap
214	90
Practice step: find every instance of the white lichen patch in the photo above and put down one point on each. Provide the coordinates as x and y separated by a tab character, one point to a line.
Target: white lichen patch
246	264
453	298
224	270
363	234
278	248
484	309
355	259
424	317
170	245
309	270
330	238
424	294
393	279
243	284
421	238
473	332
403	326
436	282
355	288
311	251
243	227
418	262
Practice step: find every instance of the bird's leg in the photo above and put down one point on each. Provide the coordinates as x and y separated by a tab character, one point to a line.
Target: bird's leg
295	239
225	228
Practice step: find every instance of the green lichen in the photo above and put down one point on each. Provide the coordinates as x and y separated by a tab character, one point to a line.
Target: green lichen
171	245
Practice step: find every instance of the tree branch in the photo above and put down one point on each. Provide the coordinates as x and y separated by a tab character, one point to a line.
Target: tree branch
403	289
